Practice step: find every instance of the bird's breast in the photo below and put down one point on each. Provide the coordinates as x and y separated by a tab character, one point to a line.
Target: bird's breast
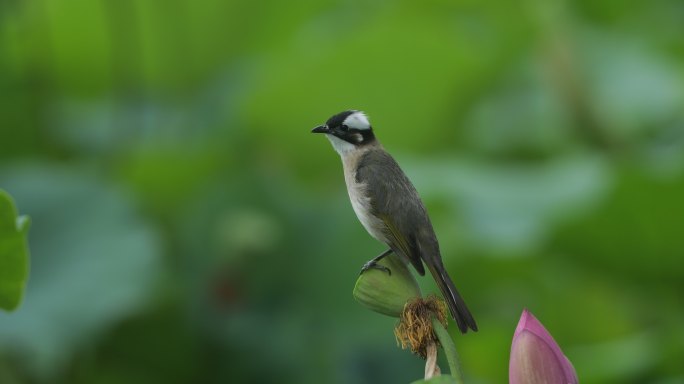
361	203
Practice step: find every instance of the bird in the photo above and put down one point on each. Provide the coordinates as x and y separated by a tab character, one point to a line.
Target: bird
389	207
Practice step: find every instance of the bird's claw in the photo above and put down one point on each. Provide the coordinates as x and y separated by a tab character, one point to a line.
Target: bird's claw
373	264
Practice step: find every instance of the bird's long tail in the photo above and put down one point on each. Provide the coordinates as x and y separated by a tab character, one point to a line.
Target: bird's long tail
457	307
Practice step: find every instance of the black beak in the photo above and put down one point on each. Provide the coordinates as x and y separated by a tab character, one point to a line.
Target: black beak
321	129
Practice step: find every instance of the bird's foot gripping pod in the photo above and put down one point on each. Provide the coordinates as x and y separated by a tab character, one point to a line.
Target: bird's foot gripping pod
422	321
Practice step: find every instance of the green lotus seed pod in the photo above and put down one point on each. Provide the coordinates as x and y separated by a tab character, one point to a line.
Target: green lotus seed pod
386	293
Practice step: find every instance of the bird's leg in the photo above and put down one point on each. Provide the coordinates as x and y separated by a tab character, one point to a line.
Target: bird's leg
373	263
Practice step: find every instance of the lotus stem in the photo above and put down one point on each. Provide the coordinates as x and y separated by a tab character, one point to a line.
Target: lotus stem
449	349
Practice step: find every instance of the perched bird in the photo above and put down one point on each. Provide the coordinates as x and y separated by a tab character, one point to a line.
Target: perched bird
388	205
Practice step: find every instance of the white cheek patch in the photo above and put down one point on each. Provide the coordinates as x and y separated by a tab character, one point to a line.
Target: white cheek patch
357	120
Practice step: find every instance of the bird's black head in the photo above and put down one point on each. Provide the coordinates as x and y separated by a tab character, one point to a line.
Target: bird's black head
348	127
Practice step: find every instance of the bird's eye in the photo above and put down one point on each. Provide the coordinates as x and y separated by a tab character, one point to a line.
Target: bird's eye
344	127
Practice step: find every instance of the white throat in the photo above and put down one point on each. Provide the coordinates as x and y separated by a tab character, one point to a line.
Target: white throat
342	147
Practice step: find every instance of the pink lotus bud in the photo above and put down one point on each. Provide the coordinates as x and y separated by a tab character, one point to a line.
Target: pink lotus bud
535	356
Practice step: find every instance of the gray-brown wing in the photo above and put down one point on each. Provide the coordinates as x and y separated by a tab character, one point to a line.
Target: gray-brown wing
395	201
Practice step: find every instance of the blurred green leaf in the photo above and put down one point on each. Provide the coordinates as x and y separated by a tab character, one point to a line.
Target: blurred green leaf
94	262
14	253
620	71
511	207
637	231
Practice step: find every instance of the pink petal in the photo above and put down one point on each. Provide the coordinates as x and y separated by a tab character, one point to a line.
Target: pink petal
535	356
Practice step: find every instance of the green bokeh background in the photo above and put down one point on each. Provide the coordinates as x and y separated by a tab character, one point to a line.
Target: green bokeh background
187	227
